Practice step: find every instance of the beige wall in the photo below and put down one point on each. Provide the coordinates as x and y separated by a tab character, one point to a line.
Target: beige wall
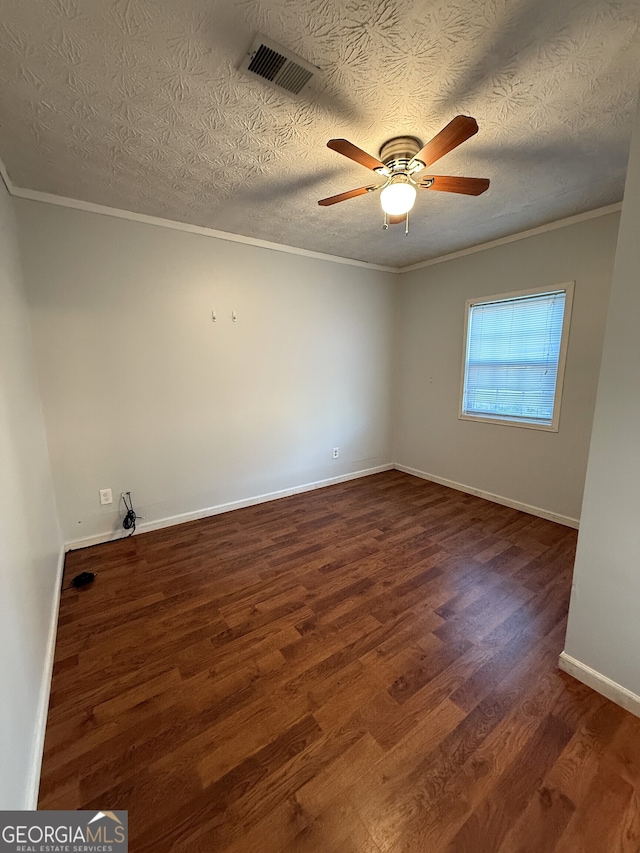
143	392
539	469
30	543
604	618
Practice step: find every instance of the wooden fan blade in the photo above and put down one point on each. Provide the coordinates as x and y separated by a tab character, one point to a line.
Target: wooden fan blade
455	133
396	220
348	149
447	184
334	199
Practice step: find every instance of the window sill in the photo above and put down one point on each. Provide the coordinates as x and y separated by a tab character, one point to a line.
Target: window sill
489	419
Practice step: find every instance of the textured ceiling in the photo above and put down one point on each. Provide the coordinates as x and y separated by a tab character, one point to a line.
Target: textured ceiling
137	104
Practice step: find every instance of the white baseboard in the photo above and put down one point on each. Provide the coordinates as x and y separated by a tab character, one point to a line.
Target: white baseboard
45	691
489	496
600	683
160	523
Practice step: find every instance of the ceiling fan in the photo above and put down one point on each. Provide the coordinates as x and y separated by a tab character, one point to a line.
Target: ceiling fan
400	162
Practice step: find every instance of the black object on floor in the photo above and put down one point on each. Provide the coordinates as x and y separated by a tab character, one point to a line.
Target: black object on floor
83	579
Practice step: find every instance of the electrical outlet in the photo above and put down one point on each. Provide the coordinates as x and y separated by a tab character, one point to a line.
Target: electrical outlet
336	452
105	497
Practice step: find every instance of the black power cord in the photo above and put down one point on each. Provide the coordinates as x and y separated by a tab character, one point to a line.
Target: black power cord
129	521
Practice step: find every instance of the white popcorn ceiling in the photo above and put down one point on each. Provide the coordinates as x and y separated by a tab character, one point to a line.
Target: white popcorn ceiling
138	105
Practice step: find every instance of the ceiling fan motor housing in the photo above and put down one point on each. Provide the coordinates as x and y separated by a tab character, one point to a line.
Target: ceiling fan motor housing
397	153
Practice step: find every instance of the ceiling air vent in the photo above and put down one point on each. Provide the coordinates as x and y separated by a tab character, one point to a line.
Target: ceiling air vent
279	66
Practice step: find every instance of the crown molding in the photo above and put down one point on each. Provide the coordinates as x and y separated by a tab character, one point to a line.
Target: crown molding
91	207
521	235
6	179
103	210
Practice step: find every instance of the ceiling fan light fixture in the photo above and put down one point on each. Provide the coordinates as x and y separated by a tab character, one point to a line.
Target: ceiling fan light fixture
398	197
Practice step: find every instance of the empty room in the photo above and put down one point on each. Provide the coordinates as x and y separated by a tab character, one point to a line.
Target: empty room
319	426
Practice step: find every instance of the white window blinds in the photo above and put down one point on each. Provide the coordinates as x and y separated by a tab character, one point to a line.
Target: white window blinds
513	349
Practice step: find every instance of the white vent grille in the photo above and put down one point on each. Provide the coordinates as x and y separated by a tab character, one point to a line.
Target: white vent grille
279	66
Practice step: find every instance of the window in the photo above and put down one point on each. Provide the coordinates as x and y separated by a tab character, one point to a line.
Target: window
515	347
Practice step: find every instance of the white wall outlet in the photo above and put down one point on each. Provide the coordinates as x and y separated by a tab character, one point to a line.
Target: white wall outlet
336	452
105	497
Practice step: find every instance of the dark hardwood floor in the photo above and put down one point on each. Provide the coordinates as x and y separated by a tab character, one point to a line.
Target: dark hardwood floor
367	667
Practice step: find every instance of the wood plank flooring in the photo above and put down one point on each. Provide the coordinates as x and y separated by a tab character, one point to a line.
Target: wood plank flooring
366	668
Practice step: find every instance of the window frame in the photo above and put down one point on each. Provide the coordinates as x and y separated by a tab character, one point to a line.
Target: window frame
567	287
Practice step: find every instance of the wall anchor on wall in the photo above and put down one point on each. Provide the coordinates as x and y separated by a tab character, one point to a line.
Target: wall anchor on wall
234	316
213	316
